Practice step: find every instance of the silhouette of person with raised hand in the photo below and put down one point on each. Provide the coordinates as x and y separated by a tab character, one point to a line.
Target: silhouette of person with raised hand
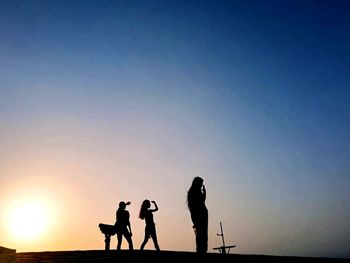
196	197
146	213
122	225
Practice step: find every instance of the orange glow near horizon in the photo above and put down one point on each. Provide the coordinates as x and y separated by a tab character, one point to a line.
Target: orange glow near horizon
29	214
28	220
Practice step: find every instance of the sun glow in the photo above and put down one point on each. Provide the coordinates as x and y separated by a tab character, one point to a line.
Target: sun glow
28	220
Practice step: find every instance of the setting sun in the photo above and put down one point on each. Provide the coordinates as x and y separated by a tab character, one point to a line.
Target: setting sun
28	220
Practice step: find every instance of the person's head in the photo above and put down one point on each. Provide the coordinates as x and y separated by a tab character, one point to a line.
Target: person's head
197	182
122	205
145	205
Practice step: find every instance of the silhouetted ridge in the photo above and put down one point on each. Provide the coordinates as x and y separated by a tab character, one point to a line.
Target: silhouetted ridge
155	256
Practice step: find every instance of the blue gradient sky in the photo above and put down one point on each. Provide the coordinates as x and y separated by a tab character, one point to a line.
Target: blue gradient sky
102	101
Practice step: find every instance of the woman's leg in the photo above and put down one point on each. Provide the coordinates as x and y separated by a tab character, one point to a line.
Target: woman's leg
127	236
202	237
119	238
154	238
145	240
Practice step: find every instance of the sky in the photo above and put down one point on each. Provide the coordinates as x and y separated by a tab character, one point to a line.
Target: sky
104	101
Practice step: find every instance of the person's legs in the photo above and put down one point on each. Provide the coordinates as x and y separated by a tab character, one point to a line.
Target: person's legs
128	238
119	238
145	240
155	240
198	239
202	238
198	230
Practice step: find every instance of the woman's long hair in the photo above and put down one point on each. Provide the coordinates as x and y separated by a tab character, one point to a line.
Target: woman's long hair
195	189
145	205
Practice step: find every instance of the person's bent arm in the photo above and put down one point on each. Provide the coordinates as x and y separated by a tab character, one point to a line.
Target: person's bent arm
204	191
129	225
155	207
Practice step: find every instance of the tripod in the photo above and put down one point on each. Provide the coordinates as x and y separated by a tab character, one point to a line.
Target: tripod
223	248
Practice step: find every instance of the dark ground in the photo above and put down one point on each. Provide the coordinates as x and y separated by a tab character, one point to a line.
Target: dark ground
146	256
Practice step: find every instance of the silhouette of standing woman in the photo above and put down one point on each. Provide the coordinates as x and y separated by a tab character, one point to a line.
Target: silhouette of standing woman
122	225
150	228
196	196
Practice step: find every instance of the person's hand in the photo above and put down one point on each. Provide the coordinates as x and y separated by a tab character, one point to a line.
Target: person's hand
153	202
128	203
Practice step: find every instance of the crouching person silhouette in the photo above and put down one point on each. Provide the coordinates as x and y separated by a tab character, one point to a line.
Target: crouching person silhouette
150	229
122	225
